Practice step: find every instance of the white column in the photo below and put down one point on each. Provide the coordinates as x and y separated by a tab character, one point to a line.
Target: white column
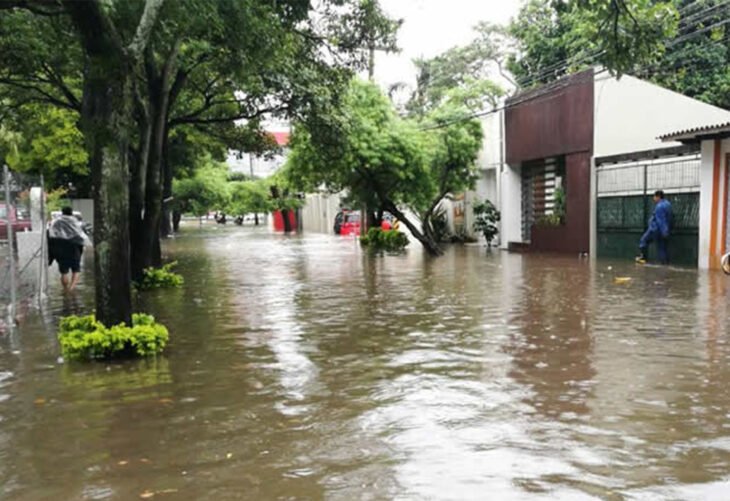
511	205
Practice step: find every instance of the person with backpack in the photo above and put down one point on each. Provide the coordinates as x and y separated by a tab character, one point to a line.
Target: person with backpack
660	226
66	241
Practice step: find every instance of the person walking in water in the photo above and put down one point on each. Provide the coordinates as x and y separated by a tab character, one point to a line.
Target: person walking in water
66	241
660	226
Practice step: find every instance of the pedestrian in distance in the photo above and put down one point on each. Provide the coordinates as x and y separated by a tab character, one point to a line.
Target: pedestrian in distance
66	241
660	226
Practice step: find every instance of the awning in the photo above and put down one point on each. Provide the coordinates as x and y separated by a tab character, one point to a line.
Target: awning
697	134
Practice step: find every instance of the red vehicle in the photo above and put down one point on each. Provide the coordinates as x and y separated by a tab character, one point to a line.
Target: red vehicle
19	224
348	223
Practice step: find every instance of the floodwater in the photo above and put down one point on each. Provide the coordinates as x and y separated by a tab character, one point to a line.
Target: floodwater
301	368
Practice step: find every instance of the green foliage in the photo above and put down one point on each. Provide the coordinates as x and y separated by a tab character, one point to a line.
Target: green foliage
161	278
250	197
486	218
440	225
207	190
84	338
378	239
51	142
384	160
549	220
672	44
559	196
56	199
461	74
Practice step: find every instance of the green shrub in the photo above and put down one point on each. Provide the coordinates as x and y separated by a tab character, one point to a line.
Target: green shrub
486	218
161	278
85	338
378	239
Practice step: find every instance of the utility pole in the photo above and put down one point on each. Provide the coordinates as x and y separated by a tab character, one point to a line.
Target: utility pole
250	166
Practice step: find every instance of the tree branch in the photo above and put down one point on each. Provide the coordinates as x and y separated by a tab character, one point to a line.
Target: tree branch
144	29
214	120
45	95
99	37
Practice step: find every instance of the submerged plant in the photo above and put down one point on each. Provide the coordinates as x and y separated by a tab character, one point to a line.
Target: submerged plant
85	338
161	278
378	239
487	216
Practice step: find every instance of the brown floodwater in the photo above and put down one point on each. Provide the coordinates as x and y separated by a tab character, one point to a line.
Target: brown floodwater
301	368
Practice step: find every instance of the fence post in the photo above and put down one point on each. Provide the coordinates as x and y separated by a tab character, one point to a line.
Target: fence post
11	248
43	279
646	193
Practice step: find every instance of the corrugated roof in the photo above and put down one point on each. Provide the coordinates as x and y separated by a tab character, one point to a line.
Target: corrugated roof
696	132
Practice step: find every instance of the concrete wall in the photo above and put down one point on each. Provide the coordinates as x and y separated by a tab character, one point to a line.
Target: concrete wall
713	203
511	205
318	213
630	114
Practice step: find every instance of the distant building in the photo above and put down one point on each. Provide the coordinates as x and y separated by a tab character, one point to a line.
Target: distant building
257	166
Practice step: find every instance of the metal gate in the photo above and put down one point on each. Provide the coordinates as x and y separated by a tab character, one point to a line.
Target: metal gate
625	206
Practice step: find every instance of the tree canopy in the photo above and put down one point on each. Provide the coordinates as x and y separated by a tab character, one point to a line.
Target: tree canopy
388	162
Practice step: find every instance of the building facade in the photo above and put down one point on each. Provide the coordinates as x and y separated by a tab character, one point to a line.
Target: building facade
556	142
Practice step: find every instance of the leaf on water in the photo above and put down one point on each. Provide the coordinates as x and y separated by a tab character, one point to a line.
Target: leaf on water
229	455
166	401
147	495
622	280
39	401
144	460
123	463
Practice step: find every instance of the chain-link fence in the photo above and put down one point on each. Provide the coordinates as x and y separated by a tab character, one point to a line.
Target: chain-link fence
23	245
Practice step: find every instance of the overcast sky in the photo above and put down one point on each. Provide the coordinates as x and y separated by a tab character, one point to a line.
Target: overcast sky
432	26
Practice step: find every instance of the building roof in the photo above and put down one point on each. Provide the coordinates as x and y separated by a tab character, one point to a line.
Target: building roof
281	138
697	134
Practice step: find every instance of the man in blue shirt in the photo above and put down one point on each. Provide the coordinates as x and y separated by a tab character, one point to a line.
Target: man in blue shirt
660	225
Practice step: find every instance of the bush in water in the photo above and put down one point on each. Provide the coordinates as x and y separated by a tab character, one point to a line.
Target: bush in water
378	239
486	218
161	278
84	338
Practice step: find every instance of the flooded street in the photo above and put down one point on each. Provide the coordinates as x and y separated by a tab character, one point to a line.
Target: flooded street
301	368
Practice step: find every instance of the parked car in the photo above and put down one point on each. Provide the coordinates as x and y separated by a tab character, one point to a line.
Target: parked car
17	221
350	224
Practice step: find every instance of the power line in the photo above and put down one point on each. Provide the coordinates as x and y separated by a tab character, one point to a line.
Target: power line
550	90
560	66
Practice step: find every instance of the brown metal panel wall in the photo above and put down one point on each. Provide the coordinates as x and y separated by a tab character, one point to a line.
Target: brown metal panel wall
574	235
551	121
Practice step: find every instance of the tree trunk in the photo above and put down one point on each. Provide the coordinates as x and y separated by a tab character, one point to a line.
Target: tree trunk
159	83
166	223
287	222
176	217
105	121
256	218
426	240
138	174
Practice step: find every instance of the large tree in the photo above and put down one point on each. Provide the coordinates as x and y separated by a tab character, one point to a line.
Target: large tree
406	167
682	45
135	70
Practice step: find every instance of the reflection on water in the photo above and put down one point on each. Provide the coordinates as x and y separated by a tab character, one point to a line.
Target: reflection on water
302	368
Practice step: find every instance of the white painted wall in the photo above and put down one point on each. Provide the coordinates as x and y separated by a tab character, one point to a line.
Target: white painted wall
630	114
319	211
511	205
706	188
490	161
